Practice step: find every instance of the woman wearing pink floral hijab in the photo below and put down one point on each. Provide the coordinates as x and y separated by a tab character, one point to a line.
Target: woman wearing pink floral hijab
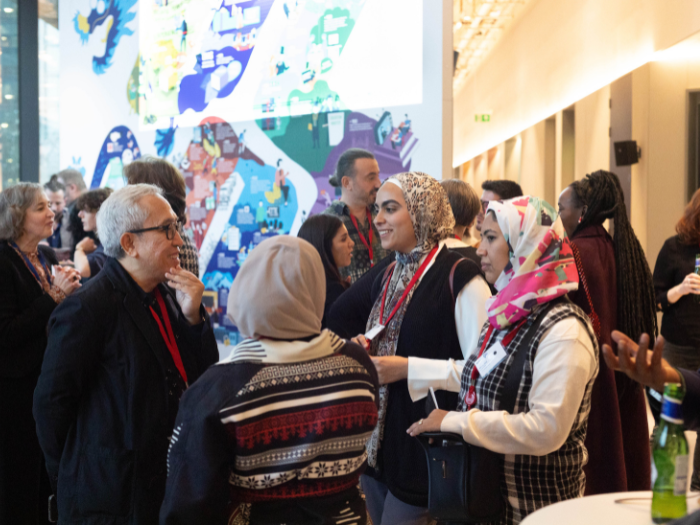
526	255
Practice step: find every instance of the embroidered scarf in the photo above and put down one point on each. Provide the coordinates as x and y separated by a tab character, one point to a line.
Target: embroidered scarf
432	219
541	266
283	352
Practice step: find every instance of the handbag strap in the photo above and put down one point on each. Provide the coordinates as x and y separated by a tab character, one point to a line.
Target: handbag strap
515	374
452	281
593	316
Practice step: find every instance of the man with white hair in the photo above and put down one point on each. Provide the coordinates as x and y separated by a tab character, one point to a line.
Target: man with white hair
119	356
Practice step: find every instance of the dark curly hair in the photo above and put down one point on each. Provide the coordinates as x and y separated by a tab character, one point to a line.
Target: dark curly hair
602	194
92	200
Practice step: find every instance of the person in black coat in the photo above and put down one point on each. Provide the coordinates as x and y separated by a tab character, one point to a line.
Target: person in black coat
328	235
120	354
28	295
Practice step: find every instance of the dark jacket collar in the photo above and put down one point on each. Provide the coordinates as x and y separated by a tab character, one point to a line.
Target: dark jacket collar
123	282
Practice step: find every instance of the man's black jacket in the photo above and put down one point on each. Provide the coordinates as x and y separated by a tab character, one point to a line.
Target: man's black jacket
101	404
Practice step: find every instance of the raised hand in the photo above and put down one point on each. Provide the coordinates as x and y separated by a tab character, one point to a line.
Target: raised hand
87	245
360	340
690	285
649	369
188	290
67	279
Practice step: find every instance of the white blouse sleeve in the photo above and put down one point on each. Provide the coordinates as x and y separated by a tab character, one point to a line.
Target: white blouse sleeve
564	364
470	316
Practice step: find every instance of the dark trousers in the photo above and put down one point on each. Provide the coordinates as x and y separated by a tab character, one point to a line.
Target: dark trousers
385	509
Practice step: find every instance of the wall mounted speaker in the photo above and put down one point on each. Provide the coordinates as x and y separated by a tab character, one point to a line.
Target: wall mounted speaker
627	153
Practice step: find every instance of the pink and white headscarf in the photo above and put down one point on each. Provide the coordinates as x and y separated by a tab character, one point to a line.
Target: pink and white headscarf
541	266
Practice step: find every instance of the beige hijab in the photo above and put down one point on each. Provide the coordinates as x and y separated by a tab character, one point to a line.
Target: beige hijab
280	290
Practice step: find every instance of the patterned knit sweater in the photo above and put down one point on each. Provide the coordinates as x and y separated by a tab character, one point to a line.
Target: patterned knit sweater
275	421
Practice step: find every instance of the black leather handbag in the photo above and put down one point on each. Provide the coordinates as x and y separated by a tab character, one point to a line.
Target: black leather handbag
465	480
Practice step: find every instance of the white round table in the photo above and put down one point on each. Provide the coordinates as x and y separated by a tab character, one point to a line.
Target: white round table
602	510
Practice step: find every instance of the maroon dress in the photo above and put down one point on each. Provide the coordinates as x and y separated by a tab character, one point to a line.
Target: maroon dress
618	435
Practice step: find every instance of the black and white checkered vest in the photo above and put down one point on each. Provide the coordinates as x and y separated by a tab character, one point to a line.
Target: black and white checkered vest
529	483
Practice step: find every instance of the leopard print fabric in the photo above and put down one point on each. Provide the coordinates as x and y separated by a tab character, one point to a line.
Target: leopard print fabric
432	219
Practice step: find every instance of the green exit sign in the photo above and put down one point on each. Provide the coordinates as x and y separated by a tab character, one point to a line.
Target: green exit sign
484	117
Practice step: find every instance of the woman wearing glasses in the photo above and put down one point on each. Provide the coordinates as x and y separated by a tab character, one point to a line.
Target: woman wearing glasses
161	173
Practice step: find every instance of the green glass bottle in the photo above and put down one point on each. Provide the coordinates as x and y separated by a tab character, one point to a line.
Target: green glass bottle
669	465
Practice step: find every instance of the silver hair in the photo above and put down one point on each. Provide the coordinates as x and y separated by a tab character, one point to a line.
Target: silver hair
122	212
14	203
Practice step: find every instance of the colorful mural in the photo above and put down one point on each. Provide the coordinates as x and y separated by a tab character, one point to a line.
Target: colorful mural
115	14
247	179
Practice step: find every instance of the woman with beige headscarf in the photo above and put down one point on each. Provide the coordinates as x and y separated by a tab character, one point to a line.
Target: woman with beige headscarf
276	432
431	304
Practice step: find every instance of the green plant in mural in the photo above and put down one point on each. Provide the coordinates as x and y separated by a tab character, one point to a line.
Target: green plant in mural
298	140
132	86
333	22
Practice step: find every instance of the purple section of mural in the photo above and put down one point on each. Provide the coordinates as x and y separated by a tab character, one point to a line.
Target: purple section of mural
393	153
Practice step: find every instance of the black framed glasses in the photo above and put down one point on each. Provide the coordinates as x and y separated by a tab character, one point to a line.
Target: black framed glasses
168	229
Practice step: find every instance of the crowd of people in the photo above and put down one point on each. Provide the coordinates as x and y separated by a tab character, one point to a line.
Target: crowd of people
117	408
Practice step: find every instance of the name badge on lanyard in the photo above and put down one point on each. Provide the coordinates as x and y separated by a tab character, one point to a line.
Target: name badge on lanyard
374	332
490	359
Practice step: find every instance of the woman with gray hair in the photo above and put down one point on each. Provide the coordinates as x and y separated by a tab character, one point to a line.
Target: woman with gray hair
31	286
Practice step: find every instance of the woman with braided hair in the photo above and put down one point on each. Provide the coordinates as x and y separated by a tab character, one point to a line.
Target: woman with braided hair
617	293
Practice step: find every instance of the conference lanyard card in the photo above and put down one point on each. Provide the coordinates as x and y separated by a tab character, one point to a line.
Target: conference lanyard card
374	332
490	359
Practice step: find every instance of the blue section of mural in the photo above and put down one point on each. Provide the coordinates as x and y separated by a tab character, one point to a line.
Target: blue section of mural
234	201
165	140
117	15
218	70
118	149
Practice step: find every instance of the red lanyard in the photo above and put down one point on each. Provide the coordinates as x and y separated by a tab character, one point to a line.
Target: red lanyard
411	284
170	337
470	397
458	237
368	245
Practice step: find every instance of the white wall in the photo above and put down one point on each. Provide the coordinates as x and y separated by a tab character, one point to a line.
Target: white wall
659	125
592	140
533	164
555	54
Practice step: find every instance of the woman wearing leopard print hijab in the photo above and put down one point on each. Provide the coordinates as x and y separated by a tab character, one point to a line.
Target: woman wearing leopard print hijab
416	314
